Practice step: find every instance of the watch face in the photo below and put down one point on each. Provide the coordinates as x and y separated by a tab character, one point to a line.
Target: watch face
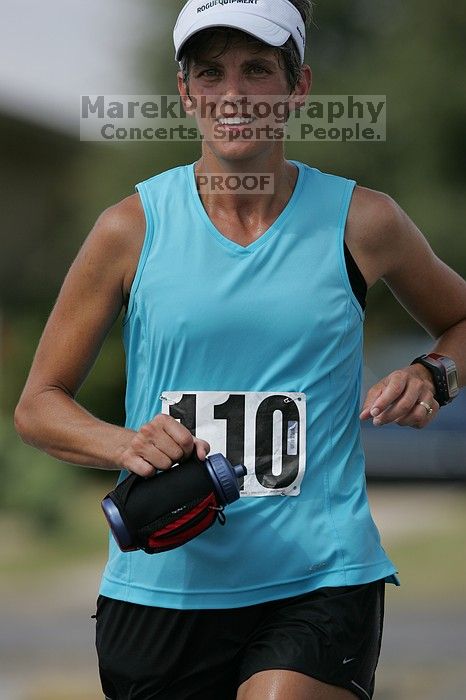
452	379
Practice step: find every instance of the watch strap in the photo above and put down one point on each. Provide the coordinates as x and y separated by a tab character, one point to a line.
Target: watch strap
436	364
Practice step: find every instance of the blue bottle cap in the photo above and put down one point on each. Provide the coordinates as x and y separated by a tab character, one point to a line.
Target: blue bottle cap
225	477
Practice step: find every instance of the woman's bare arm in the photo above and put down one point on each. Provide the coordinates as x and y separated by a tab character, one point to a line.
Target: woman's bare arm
389	246
92	296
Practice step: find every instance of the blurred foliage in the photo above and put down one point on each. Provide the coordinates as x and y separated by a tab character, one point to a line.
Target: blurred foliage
34	485
53	188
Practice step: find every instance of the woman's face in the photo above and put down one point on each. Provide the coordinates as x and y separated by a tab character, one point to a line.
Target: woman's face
240	99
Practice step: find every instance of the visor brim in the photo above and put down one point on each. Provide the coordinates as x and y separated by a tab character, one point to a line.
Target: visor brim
261	28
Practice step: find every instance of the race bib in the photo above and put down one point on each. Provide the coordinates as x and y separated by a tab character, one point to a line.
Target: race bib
265	431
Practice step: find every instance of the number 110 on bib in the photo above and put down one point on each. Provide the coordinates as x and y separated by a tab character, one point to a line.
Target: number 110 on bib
265	431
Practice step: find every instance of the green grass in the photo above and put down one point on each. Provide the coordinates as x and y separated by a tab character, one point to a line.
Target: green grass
433	564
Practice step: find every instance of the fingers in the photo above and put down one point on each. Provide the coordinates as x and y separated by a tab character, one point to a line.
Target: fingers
396	399
391	393
372	395
160	444
138	465
177	434
202	448
420	416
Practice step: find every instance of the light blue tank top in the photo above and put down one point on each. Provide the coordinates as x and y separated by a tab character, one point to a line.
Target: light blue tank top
258	350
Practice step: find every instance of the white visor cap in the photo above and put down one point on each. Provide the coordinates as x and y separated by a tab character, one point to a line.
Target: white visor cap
271	21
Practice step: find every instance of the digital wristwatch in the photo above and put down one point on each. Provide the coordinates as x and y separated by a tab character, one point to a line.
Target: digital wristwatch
444	375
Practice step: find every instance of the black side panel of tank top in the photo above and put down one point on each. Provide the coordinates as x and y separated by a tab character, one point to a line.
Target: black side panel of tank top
358	283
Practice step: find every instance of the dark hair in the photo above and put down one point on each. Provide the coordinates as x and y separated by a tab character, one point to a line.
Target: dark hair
288	53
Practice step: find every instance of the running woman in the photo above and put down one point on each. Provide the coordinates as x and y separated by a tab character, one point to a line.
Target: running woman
243	333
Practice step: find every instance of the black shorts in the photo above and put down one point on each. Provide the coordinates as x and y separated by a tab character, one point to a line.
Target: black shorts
332	634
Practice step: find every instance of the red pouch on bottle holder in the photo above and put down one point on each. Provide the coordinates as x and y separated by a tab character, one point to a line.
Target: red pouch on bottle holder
193	520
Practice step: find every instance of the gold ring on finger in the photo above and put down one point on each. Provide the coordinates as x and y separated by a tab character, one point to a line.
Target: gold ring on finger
428	408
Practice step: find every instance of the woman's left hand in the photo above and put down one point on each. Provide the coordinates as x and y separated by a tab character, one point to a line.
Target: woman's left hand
404	397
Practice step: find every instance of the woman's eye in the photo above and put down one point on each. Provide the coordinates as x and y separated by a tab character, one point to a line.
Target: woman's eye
209	73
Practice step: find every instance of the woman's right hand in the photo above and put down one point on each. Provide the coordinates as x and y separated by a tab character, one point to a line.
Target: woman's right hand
160	444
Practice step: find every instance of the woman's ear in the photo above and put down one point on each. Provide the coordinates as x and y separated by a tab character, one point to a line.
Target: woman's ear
298	95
